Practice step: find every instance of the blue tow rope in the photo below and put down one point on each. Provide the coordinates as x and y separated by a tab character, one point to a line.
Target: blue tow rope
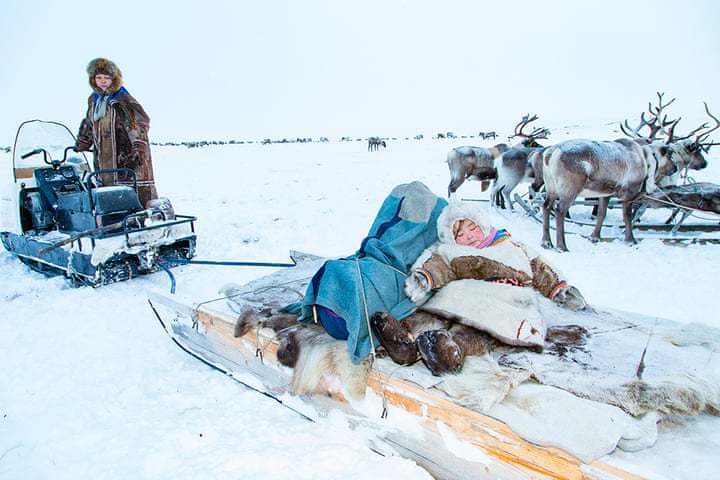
235	264
180	261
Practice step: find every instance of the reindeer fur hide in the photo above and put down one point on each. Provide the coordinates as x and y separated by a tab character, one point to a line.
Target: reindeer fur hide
586	380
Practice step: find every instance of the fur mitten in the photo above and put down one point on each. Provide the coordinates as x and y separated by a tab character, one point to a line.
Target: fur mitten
417	287
570	297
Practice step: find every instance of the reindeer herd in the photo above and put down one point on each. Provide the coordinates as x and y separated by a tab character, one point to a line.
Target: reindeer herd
625	168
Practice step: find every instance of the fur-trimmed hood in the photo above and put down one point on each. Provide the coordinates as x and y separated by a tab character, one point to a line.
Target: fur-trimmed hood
457	211
107	67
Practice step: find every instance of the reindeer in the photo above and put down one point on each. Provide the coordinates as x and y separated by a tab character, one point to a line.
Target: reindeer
687	153
623	168
476	162
522	162
374	143
684	153
487	135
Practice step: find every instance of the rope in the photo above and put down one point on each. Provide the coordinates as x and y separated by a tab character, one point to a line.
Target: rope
257	290
641	365
367	315
172	277
182	261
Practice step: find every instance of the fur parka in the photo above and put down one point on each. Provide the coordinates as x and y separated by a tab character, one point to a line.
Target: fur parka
120	137
461	281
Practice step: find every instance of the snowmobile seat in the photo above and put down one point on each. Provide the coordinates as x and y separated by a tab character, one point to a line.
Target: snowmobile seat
114	199
75	213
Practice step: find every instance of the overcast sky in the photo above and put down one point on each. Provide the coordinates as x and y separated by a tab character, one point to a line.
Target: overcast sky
210	69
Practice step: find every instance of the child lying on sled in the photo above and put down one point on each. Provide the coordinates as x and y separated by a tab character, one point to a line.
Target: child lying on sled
475	279
460	269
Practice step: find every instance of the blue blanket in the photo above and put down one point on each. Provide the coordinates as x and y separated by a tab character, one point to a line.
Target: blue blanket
373	278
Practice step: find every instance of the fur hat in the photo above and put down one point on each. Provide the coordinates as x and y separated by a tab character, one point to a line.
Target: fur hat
106	67
455	211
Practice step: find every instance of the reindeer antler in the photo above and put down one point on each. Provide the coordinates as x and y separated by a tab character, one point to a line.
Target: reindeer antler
700	137
658	125
673	139
537	133
526	119
635	132
660	107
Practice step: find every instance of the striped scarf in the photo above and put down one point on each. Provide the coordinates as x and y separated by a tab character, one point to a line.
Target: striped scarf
495	237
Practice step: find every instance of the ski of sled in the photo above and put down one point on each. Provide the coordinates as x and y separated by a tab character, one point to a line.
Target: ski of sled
207	331
678	231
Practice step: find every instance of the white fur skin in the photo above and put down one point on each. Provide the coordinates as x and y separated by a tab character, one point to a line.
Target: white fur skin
511	314
321	356
417	288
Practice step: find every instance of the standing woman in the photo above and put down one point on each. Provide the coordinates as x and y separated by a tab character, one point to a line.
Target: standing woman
116	125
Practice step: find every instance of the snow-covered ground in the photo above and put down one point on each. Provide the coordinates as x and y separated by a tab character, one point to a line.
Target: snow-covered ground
91	387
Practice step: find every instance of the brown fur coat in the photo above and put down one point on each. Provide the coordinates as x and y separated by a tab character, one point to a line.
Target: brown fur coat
120	137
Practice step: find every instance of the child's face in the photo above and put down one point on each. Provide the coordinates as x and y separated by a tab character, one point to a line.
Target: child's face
469	234
103	81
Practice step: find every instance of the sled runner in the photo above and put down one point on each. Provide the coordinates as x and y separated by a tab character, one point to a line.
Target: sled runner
61	220
457	439
694	214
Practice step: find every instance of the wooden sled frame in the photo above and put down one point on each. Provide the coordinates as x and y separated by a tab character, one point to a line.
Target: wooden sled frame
507	455
673	229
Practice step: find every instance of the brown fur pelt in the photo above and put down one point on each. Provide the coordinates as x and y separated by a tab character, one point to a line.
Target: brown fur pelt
249	319
678	395
482	268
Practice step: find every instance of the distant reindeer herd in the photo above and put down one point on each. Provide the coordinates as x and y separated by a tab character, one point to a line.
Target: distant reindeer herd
625	168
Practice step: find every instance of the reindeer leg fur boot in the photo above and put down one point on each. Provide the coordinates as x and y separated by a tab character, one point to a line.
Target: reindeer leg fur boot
395	338
440	353
471	340
398	337
444	350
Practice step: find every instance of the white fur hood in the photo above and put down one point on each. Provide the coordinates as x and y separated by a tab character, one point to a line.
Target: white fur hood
510	253
455	211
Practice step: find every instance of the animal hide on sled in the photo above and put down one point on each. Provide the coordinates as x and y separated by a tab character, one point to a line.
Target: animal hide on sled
592	372
701	196
321	358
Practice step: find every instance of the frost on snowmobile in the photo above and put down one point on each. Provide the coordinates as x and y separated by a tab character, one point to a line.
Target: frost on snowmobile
61	220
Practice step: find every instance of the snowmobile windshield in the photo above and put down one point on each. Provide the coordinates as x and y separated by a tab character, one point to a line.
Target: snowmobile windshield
52	137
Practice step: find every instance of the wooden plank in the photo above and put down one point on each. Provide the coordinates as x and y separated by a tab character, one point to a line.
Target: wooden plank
493	437
26	172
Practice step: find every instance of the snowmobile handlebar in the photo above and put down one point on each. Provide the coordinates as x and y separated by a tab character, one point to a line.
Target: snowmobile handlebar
34	152
47	156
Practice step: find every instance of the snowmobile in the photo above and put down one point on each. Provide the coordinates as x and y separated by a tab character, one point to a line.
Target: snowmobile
60	219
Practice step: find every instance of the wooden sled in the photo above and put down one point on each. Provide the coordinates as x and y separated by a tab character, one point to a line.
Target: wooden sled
676	229
206	331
